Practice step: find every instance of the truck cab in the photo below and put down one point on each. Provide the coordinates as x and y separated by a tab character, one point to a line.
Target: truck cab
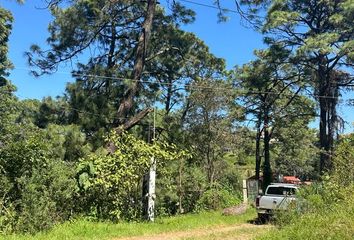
278	196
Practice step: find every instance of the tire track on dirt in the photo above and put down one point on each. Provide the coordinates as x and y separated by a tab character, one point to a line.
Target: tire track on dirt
200	232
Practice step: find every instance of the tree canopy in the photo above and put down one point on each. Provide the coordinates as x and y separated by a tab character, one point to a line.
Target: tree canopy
319	36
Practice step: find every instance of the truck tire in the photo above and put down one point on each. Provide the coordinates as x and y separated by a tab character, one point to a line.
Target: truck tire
262	218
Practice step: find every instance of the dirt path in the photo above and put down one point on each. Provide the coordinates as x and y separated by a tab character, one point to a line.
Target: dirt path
245	231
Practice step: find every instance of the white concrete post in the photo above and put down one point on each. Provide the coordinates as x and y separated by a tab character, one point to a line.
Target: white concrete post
152	180
151	193
244	191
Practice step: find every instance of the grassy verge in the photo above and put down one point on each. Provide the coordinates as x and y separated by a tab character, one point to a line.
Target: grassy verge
335	223
82	229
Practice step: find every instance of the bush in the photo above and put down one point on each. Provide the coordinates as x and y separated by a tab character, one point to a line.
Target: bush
217	198
38	190
111	184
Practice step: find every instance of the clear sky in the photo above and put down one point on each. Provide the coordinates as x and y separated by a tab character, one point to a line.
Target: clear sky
231	41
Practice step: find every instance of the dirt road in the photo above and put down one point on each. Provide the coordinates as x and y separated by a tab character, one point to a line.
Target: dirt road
245	231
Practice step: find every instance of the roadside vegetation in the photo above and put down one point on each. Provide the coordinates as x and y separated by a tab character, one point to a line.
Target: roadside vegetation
330	222
148	99
85	229
325	210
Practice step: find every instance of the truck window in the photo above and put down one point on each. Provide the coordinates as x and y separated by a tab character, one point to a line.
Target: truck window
280	191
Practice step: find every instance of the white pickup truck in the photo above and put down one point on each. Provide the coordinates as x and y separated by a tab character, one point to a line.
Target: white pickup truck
278	196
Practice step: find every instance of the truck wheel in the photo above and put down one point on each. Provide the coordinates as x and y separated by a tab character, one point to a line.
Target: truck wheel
262	218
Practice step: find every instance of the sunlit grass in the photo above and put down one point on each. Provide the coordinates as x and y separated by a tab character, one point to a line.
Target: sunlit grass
83	229
335	223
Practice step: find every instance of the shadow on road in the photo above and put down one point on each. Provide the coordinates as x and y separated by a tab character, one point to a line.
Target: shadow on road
260	221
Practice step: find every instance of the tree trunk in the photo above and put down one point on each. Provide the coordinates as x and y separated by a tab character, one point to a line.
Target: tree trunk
128	99
168	97
328	102
185	112
127	125
258	145
148	190
267	171
323	135
110	60
333	120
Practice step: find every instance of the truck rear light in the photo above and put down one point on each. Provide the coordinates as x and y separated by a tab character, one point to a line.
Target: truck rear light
257	201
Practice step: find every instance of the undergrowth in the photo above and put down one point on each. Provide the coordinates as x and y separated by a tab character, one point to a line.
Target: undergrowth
325	210
84	229
335	223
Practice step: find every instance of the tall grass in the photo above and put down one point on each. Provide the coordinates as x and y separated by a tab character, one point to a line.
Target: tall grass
83	229
328	211
334	224
329	215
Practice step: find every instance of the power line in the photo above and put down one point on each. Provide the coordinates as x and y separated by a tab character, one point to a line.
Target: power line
209	6
183	86
71	108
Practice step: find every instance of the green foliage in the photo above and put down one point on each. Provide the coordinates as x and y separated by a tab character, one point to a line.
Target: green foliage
47	198
50	172
325	209
37	187
68	142
51	111
83	229
343	161
319	41
217	198
209	125
180	188
38	190
28	111
294	150
5	28
110	183
9	107
273	88
244	153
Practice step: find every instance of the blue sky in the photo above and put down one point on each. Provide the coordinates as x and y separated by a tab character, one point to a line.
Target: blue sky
231	41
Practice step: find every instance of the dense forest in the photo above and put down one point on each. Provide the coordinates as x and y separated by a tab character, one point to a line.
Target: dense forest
148	96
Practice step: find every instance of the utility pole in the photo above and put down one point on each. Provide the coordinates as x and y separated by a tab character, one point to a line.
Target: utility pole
151	192
150	182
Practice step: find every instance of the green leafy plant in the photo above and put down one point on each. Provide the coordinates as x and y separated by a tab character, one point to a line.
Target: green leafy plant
38	189
111	183
217	198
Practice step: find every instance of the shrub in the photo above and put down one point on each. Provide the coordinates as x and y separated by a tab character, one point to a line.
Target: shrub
111	184
38	190
217	198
